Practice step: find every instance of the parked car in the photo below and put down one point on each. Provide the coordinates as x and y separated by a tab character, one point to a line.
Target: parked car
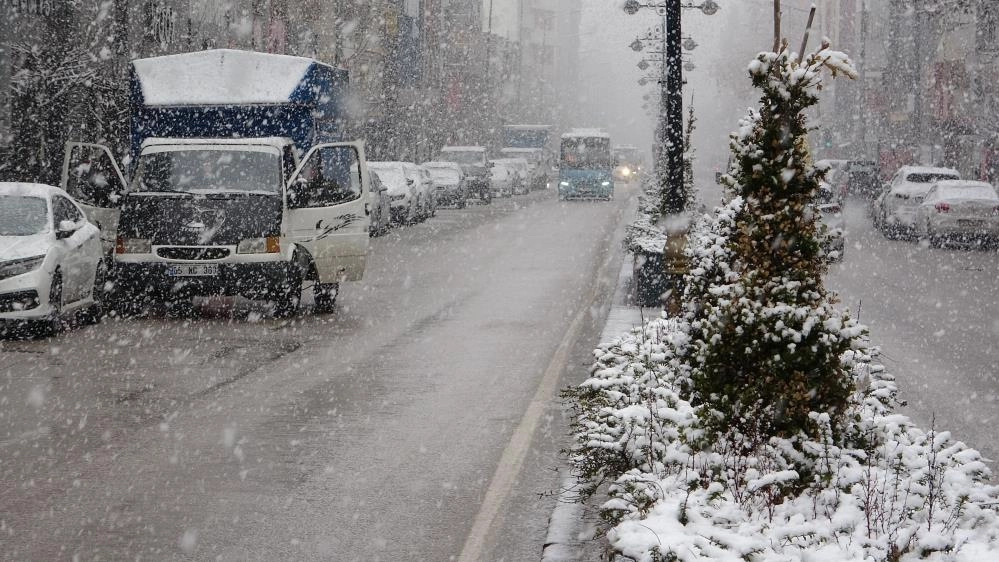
522	185
381	207
473	162
538	167
51	261
504	177
449	182
402	194
894	210
830	210
959	210
424	187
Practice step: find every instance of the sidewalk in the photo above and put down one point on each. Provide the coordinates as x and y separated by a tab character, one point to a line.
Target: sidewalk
572	525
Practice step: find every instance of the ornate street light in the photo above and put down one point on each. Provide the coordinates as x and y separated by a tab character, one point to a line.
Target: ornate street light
671	109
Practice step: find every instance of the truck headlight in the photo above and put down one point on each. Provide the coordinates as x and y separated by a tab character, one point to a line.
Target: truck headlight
132	246
13	268
269	245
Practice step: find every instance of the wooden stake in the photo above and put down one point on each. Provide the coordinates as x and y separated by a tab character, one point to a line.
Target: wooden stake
776	26
808	31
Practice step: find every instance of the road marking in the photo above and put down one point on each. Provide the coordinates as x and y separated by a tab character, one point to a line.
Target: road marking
516	450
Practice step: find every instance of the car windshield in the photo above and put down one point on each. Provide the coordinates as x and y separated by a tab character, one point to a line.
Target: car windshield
467	157
209	170
445	175
968	192
929	178
586	152
393	178
23	215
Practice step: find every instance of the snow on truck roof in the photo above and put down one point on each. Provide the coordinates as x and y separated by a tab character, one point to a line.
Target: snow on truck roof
221	76
276	142
582	133
463	149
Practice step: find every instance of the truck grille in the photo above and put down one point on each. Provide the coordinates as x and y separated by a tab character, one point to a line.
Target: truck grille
185	253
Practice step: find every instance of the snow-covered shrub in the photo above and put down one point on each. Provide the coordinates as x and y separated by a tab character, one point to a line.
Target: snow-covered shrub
768	345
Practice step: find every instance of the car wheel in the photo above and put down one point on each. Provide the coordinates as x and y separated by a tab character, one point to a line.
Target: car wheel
325	296
95	313
52	325
286	303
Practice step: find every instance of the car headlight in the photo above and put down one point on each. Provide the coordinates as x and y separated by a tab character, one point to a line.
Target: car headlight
626	171
133	246
20	266
564	183
397	197
605	184
269	245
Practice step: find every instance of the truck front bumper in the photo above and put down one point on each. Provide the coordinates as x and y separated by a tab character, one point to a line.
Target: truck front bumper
153	281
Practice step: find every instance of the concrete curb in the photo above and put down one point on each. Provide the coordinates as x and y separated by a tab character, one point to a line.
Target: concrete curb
567	540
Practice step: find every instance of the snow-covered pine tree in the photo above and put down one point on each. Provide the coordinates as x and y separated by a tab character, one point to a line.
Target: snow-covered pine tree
767	346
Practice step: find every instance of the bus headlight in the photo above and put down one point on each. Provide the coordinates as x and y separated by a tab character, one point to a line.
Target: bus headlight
605	183
564	183
626	171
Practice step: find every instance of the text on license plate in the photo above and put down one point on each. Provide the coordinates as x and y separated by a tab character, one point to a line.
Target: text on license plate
192	270
972	223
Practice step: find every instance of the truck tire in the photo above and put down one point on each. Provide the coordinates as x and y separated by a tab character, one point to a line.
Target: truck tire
286	302
325	295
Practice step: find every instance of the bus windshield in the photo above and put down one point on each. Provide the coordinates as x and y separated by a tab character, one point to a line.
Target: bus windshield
586	152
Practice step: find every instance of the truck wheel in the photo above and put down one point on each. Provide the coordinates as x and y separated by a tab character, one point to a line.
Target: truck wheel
325	296
286	303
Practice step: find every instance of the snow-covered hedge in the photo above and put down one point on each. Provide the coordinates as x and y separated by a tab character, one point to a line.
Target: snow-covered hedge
892	492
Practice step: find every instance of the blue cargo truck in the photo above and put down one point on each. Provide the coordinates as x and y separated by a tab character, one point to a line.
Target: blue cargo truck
239	182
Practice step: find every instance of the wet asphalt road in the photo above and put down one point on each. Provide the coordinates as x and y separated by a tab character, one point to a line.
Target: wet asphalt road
373	433
935	314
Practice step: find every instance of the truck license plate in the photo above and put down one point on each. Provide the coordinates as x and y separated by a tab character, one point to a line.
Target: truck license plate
193	270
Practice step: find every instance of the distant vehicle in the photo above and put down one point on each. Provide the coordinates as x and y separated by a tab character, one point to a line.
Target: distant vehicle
830	209
449	181
403	199
424	187
627	162
522	174
894	210
960	211
586	165
538	165
381	206
536	138
51	260
219	201
474	163
858	178
505	177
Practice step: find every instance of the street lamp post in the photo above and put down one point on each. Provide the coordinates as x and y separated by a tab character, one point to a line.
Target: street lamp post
671	112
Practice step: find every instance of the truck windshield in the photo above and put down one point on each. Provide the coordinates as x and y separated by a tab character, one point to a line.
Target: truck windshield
586	152
465	158
207	171
22	215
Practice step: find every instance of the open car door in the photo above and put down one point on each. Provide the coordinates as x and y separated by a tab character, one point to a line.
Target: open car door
92	177
327	210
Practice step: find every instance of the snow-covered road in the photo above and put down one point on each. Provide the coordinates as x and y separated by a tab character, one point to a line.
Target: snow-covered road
935	314
373	433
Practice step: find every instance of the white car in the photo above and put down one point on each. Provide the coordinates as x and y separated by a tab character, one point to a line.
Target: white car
381	207
504	178
522	186
537	168
402	194
423	185
449	182
51	261
959	210
895	208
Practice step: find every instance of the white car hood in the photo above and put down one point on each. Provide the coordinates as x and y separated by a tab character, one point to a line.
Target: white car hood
17	247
